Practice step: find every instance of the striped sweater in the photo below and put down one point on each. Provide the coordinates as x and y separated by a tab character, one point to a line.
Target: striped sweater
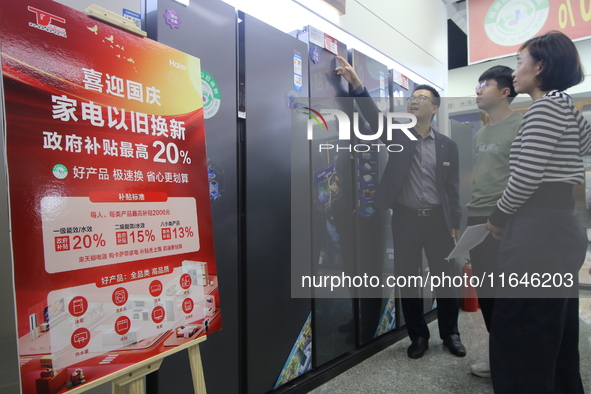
548	148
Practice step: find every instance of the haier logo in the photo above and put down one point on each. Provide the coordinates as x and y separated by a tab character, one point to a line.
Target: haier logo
345	129
43	22
178	65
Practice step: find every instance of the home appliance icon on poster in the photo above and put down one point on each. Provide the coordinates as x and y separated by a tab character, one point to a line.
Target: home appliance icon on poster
156	288
122	325
186	281
158	314
120	297
78	306
81	337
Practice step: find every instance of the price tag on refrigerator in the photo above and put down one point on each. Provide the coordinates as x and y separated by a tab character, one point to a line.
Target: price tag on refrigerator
316	37
397	77
382	85
134	17
297	72
405	84
331	44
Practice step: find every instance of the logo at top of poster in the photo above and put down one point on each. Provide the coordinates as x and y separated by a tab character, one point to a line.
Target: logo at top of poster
512	22
43	21
212	99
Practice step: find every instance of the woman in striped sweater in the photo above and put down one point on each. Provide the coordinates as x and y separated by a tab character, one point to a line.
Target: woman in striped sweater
535	324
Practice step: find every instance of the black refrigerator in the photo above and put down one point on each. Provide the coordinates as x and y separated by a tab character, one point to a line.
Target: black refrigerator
207	29
274	160
332	186
376	306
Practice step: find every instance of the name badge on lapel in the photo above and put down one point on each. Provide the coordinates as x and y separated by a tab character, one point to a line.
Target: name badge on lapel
446	164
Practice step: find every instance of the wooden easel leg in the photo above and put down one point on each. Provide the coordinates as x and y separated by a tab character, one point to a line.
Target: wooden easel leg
134	380
118	389
197	370
137	386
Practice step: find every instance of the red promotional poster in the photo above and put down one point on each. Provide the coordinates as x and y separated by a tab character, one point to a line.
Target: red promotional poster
113	255
497	28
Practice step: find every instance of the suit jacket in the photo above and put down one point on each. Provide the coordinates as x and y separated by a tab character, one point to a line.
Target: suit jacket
447	173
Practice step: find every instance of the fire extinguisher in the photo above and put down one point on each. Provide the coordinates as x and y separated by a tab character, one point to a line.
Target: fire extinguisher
470	299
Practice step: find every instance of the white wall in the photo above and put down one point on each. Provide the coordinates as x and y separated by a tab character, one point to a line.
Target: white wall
413	33
461	81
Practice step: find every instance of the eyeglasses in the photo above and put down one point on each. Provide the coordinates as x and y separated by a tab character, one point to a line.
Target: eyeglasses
483	85
419	99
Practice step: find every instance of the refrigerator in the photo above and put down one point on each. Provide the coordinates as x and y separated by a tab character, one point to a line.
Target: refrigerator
376	306
333	203
462	134
274	157
207	29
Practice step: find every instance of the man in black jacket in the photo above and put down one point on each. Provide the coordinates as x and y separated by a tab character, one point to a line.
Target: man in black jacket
421	186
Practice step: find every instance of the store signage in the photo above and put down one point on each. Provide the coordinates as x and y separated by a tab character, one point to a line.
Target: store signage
497	28
113	254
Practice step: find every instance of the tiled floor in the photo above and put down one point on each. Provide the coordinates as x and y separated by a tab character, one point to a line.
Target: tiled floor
439	372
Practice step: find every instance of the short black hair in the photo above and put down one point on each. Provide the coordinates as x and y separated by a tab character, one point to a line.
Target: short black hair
436	96
561	62
502	76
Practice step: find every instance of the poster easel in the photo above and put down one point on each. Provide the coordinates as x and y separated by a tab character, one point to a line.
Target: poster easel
132	377
100	304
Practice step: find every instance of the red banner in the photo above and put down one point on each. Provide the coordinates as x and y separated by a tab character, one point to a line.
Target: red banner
109	197
497	28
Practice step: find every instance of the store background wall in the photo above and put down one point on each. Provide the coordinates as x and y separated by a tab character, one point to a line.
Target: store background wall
413	33
461	81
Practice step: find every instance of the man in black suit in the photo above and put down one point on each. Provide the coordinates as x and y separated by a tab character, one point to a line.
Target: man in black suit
421	186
